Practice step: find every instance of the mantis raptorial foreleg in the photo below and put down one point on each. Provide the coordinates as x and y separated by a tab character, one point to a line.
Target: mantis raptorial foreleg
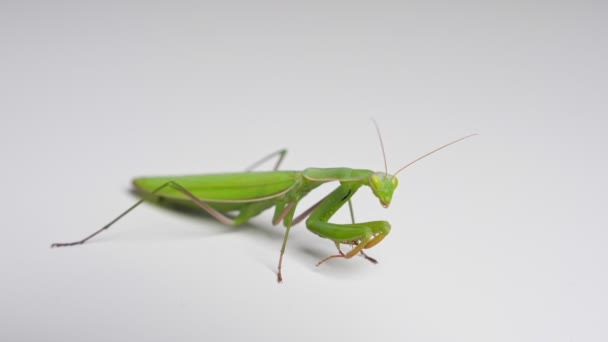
352	220
362	235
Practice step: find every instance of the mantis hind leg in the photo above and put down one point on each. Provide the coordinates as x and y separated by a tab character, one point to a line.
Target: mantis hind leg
206	207
280	156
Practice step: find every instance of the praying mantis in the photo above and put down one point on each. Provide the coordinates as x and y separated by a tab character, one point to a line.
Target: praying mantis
234	198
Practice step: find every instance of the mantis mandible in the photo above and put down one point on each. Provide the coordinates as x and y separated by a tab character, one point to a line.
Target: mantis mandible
249	193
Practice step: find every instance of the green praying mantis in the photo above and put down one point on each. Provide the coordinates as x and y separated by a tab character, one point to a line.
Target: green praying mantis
234	198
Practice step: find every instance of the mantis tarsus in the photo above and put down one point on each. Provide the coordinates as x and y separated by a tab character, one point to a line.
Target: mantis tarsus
250	193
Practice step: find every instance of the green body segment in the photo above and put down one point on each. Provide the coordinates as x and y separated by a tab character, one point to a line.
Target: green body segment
240	187
226	191
235	191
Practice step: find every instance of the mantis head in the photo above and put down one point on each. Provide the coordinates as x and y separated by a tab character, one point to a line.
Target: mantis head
383	185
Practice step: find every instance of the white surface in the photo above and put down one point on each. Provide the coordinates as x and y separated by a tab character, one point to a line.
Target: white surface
498	238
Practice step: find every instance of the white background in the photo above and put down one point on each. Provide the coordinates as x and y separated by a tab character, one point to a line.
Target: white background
499	238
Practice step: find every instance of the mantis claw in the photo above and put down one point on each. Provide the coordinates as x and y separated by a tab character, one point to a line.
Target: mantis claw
370	259
67	244
341	255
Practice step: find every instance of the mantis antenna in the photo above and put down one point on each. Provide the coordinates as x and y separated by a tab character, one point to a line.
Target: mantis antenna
382	146
433	151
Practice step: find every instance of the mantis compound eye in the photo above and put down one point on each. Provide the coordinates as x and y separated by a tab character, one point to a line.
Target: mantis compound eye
375	181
